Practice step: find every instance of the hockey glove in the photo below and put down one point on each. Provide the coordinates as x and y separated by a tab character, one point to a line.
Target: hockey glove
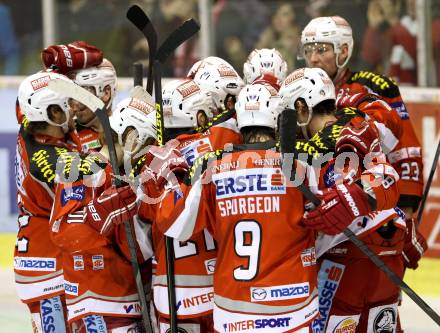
166	163
346	100
359	136
339	206
415	245
76	55
114	206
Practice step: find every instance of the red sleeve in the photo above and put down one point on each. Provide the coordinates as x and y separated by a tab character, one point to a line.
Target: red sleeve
184	210
69	228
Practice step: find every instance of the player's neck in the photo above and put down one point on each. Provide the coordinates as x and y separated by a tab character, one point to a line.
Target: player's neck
52	131
319	122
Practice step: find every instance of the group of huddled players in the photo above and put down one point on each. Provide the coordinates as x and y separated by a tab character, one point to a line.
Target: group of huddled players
250	254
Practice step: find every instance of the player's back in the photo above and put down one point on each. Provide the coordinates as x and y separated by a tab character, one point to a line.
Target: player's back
265	276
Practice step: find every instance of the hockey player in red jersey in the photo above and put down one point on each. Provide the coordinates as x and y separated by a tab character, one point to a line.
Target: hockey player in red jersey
186	107
241	196
327	43
342	304
42	140
86	224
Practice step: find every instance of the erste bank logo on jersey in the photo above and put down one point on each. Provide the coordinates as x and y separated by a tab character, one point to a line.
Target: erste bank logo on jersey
249	182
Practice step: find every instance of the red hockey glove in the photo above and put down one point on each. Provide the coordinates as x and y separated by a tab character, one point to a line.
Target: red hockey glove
346	100
166	162
415	245
268	79
76	55
112	207
359	136
339	206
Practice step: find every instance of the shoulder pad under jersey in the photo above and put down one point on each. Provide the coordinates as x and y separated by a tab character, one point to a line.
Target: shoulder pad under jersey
379	84
43	158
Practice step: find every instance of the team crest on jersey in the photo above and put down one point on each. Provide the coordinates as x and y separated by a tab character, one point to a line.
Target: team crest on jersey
76	193
385	321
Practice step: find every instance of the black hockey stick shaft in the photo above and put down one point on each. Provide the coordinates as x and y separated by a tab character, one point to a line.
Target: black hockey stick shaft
428	184
174	40
103	118
138	17
138	74
169	245
288	125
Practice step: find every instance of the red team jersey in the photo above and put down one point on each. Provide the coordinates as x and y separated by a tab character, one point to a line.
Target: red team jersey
255	219
195	258
406	157
97	270
37	260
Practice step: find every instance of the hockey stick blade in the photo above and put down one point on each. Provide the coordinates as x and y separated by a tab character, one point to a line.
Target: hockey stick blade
287	146
188	29
71	89
138	17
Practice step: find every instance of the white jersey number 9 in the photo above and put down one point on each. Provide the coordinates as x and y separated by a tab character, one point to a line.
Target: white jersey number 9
247	240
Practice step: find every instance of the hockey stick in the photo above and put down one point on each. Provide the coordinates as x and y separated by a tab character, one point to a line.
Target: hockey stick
74	91
428	184
138	74
287	146
137	16
188	29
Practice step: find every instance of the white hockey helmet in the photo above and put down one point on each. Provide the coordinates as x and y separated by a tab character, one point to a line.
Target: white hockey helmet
34	98
133	112
262	61
219	79
333	30
181	100
98	77
311	84
211	60
257	105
